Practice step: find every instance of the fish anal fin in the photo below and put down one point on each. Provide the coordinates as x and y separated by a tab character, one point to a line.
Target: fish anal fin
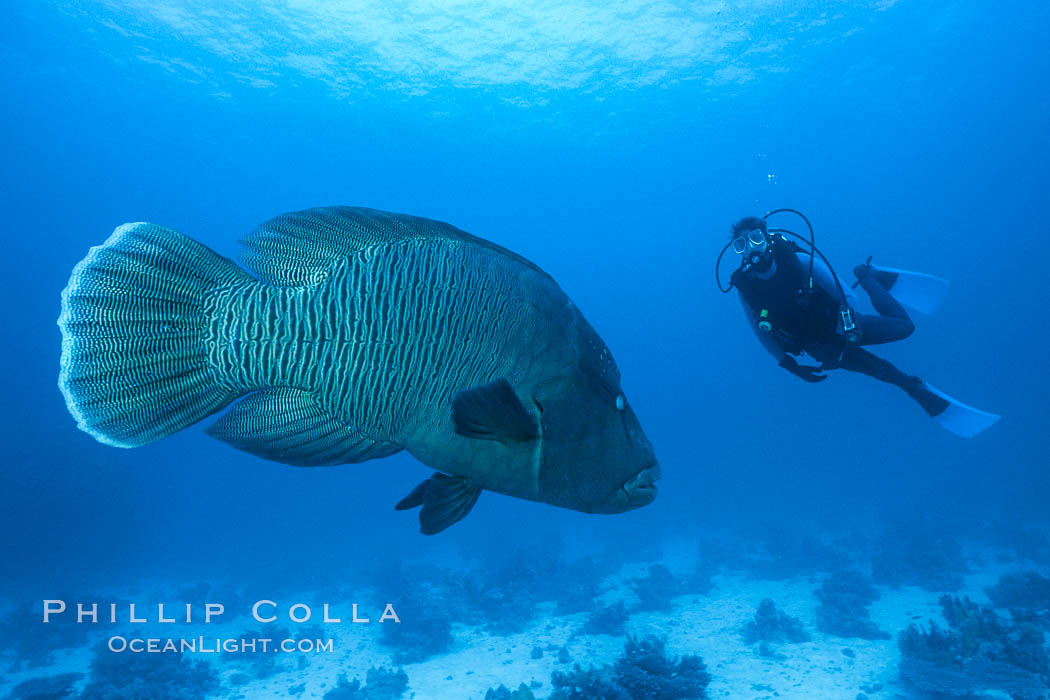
492	412
445	499
290	426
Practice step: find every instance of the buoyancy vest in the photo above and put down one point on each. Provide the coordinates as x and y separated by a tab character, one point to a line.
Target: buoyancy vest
799	316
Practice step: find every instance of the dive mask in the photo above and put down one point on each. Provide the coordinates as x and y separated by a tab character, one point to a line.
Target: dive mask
754	240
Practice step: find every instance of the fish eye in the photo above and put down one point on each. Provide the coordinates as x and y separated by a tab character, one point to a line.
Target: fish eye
621	403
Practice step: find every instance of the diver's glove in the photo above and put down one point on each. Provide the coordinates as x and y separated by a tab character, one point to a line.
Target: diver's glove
806	372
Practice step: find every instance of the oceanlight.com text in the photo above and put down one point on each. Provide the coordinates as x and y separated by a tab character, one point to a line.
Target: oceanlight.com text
215	645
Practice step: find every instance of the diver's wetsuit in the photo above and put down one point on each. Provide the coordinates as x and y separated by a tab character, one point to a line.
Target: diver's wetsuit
891	324
812	323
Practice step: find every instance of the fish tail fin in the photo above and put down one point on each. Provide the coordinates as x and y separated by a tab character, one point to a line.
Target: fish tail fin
134	322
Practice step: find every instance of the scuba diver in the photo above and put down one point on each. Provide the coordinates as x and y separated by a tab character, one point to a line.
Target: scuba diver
805	318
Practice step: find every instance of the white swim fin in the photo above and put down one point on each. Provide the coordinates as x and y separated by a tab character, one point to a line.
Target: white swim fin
916	290
964	421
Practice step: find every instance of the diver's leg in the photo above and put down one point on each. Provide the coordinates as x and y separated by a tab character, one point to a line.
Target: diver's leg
855	359
881	299
891	324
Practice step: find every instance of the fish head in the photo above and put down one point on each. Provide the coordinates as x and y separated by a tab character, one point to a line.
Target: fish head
595	455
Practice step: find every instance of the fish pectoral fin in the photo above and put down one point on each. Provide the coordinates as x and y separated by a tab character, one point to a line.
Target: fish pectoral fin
492	412
445	499
415	498
291	426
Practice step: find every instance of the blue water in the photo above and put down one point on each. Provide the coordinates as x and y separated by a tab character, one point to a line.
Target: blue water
614	148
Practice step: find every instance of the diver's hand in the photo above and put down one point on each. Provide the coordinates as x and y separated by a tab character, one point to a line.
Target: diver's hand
812	375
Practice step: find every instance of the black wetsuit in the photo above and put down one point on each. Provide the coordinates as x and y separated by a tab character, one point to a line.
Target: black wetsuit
803	319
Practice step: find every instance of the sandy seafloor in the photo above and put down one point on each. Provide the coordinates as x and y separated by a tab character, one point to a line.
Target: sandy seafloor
708	625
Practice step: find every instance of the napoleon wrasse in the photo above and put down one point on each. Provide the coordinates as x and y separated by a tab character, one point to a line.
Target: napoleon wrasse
364	333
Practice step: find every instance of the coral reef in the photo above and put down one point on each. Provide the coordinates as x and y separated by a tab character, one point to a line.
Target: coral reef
843	610
504	693
789	553
657	589
346	690
587	684
380	684
501	592
47	688
258	663
643	672
505	596
137	676
577	597
34	644
772	552
584	579
1021	590
698	581
1021	541
772	625
424	632
481	598
978	654
973	678
610	620
385	684
916	554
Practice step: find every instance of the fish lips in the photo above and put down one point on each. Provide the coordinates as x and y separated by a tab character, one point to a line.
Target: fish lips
640	489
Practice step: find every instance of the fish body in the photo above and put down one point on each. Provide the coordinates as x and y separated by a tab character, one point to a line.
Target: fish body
365	333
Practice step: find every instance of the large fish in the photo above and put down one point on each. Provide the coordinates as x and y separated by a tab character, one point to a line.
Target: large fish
366	333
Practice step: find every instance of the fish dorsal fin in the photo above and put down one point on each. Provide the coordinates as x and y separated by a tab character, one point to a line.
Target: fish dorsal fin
290	426
300	248
492	412
445	499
